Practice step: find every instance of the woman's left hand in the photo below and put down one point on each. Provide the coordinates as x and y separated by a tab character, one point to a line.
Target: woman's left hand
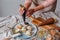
30	12
8	38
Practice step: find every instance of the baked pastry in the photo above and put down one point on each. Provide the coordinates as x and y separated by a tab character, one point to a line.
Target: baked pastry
24	29
16	31
29	28
41	33
29	33
19	26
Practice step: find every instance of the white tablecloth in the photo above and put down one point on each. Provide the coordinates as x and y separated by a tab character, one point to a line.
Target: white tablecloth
12	20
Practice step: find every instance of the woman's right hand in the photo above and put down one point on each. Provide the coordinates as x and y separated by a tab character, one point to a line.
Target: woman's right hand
21	10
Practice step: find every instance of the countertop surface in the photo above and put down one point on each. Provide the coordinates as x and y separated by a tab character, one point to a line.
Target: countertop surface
12	20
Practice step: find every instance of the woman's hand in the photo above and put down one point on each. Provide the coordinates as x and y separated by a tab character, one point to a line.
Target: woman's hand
21	10
30	12
6	38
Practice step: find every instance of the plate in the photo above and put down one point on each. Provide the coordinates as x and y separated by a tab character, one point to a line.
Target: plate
24	36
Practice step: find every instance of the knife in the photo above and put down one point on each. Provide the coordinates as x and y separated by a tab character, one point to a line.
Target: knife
24	14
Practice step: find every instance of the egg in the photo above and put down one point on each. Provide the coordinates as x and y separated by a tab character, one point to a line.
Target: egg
29	28
29	33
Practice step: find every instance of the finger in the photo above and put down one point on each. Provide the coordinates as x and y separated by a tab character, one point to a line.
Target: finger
27	14
21	11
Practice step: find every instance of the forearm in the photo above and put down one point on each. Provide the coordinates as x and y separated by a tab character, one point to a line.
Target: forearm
44	4
40	7
28	4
